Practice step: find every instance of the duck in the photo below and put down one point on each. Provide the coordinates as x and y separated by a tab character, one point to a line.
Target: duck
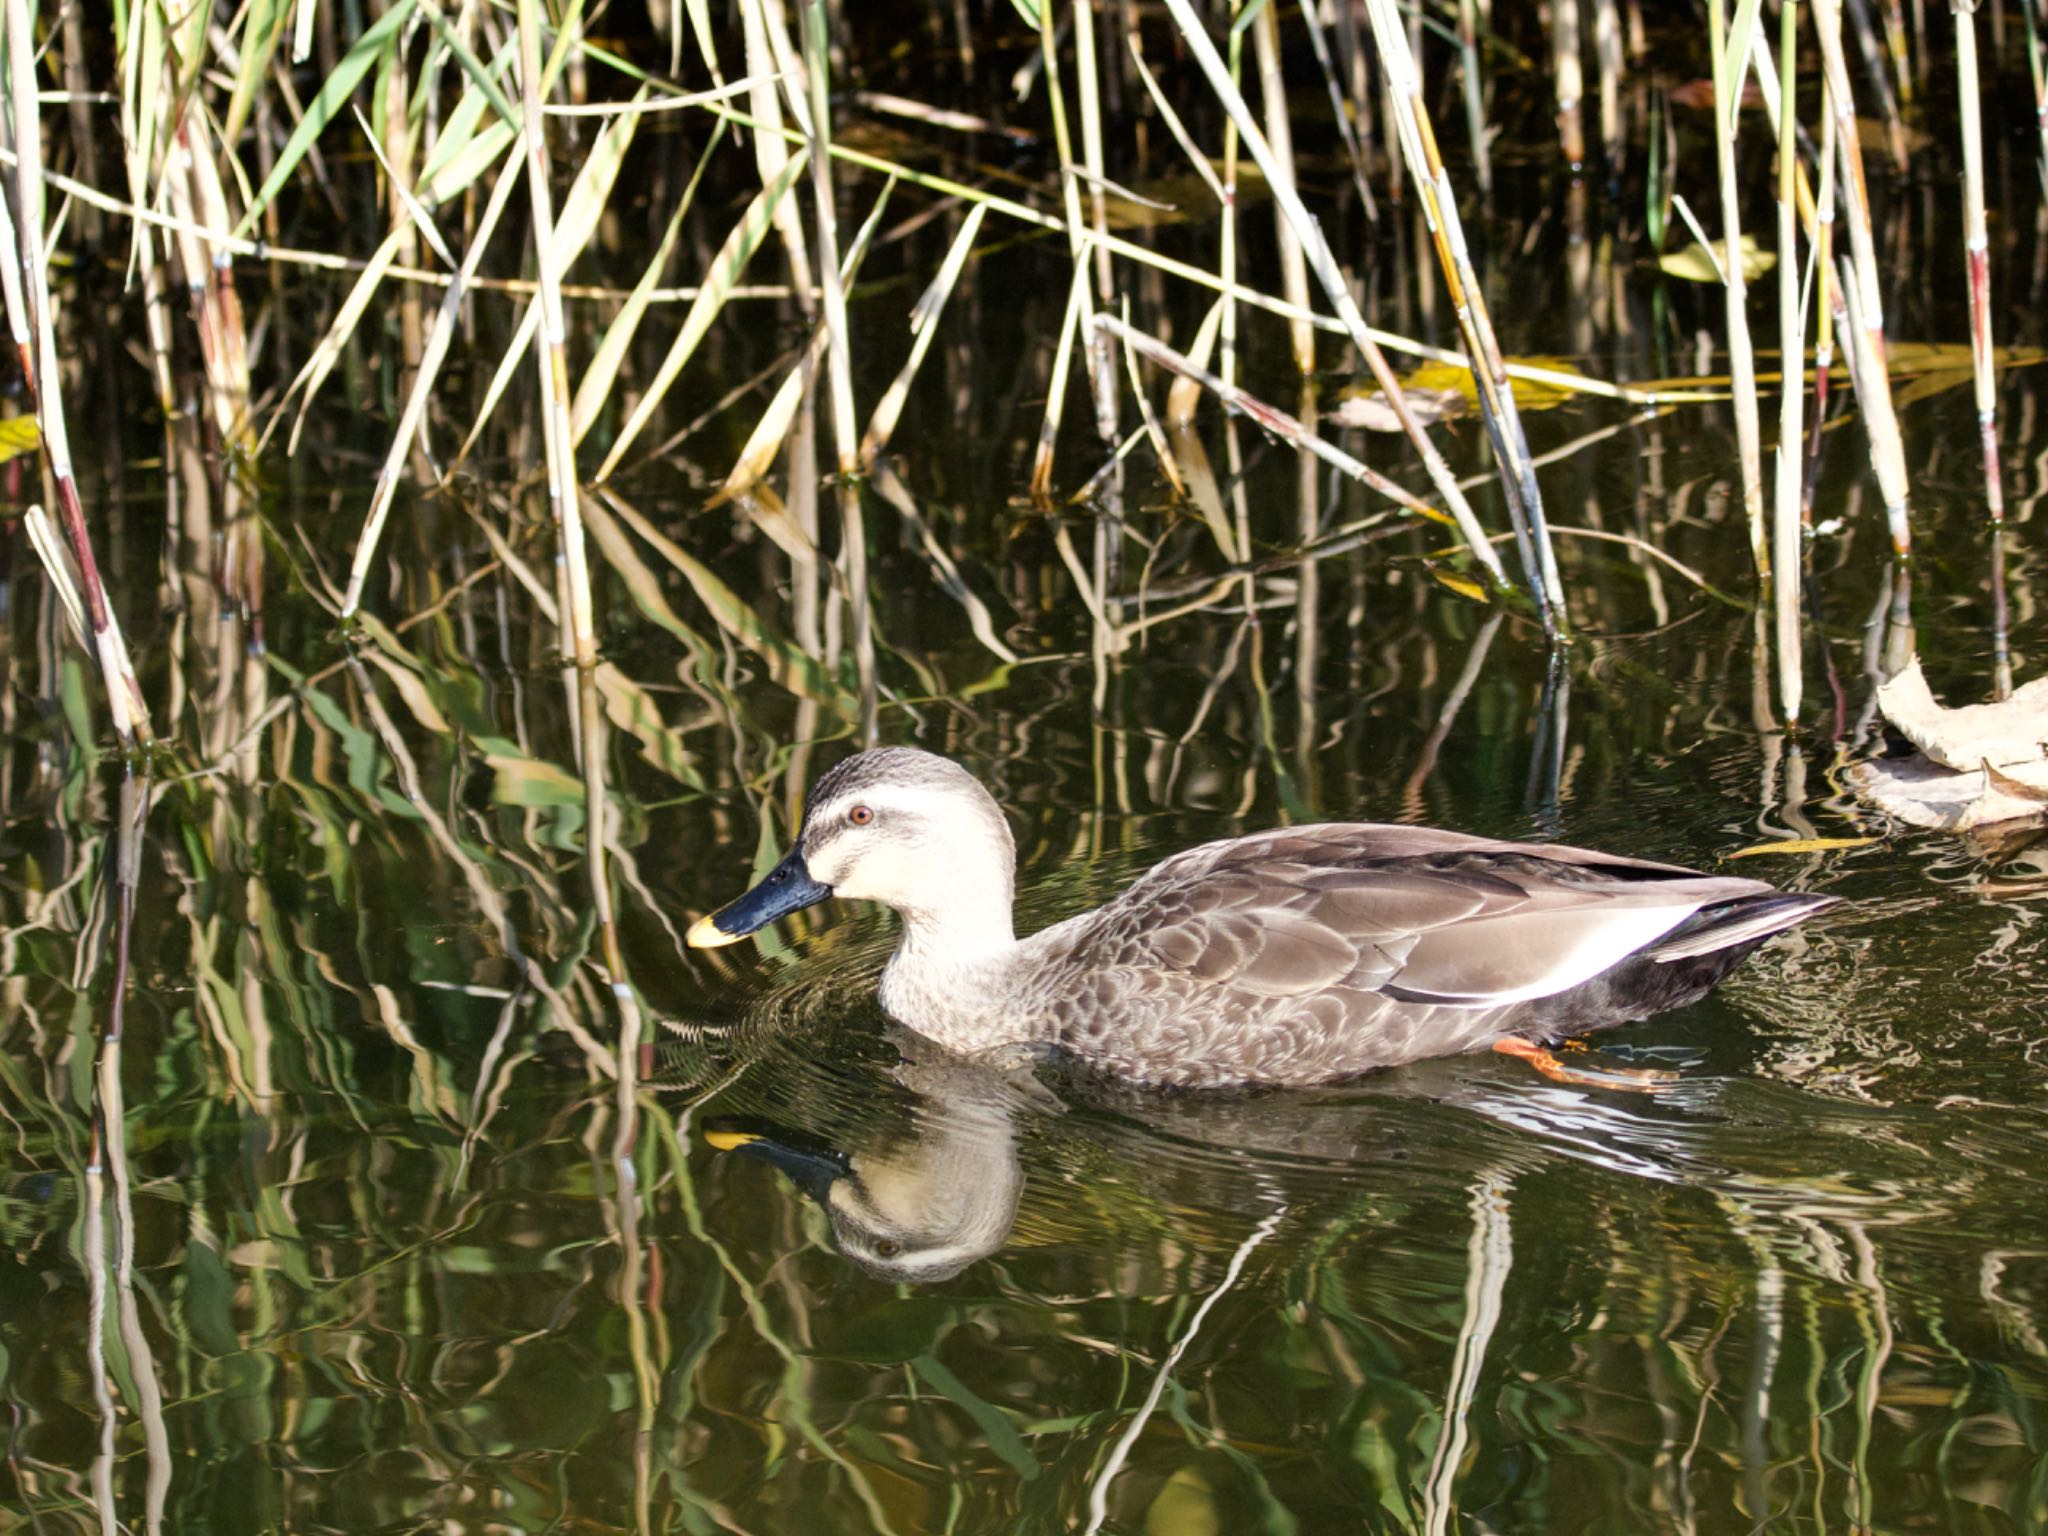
1292	957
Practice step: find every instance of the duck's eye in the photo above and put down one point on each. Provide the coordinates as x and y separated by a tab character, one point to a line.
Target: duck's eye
888	1248
860	815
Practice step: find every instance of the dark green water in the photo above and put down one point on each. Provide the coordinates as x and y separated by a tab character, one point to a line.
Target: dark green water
356	1228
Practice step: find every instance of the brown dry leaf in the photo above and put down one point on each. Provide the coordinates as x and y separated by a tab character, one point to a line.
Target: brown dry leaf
1980	765
2009	732
1925	794
2018	789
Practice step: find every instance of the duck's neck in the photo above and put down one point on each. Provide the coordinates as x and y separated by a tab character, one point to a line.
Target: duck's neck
945	979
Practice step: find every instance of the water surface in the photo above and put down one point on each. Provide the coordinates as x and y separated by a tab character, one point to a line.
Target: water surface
336	1204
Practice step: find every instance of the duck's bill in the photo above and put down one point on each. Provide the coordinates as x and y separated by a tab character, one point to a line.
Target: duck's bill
814	1170
787	888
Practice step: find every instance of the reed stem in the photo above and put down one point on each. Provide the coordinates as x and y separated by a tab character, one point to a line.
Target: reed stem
1489	371
1977	250
125	703
1785	512
550	352
1731	50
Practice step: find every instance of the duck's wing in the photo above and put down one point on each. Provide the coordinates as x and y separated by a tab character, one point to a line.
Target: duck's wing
1410	912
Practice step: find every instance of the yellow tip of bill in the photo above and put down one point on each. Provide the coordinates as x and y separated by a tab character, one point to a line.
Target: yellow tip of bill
706	934
729	1141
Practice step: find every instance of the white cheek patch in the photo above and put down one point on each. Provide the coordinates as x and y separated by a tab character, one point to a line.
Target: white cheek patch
885	870
910	853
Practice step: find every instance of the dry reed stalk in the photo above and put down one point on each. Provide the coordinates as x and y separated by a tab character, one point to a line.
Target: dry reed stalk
1864	307
1817	211
84	141
18	326
157	322
1087	84
1489	372
550	352
218	306
1823	309
741	241
1280	136
1977	249
1324	265
1056	387
1607	49
1226	224
1292	432
1786	521
752	463
771	151
1850	156
1731	51
2001	622
1149	422
1896	45
1357	72
595	387
1077	328
1873	64
1881	423
434	350
1473	90
853	558
2036	14
125	703
838	347
1569	72
394	158
1340	110
924	325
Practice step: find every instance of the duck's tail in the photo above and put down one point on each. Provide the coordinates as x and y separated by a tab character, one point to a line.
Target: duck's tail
1740	924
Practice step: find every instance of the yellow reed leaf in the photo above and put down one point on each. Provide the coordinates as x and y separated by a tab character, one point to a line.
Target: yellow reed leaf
1803	845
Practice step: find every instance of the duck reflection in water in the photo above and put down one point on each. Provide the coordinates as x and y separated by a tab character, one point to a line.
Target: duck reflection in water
917	1190
915	1202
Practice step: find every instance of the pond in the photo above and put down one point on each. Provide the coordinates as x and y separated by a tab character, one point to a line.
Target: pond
341	1200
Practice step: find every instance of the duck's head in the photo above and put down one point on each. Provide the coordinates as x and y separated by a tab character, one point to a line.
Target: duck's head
909	829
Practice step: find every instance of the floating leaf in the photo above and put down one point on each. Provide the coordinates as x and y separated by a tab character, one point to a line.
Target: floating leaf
1438	391
1696	264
